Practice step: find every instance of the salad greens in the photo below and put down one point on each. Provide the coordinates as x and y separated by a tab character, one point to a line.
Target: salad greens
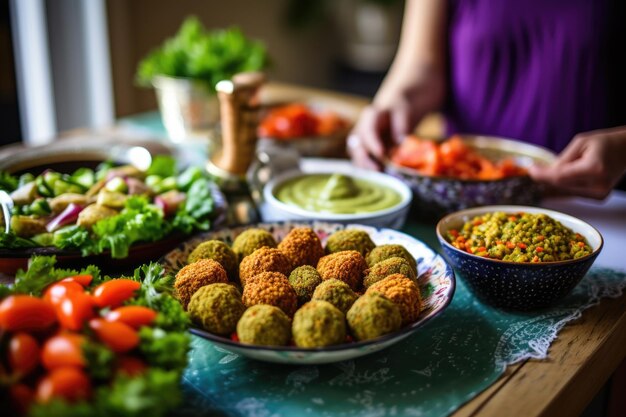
163	347
119	206
207	56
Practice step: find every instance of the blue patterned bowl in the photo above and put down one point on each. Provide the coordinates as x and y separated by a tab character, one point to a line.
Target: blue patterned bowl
512	285
436	196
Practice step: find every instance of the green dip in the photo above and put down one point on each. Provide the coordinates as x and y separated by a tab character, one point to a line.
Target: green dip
519	237
336	193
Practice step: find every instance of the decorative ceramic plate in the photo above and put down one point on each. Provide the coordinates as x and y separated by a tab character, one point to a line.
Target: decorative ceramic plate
435	276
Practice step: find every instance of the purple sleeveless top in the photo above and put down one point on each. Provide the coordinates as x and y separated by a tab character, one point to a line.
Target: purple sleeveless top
534	70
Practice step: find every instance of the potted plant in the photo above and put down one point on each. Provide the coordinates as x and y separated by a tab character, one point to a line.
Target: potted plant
186	68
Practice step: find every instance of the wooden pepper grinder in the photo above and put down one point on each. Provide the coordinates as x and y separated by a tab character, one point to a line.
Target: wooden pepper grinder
239	115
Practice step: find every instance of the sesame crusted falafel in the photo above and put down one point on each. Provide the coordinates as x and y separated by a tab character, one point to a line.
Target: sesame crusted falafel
217	308
383	269
271	288
372	316
304	279
336	292
347	266
250	240
318	324
198	274
403	292
350	239
302	246
382	252
263	260
219	252
265	325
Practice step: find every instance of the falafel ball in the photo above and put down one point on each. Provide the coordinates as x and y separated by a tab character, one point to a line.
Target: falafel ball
403	292
318	324
264	325
198	274
347	266
304	279
382	252
336	292
372	316
217	308
350	239
383	269
219	252
250	240
271	288
263	260
302	246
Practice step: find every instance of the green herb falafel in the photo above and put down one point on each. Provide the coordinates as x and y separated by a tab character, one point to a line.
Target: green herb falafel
318	324
217	308
336	292
350	239
304	279
264	325
373	315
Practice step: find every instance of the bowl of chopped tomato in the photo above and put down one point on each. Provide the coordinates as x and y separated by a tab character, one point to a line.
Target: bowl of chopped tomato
309	129
467	171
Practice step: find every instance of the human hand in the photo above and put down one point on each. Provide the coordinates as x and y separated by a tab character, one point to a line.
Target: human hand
379	128
590	166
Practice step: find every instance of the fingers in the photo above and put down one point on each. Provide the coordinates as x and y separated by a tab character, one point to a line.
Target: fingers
400	121
359	154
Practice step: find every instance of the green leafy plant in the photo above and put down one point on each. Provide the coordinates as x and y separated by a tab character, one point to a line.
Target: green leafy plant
202	55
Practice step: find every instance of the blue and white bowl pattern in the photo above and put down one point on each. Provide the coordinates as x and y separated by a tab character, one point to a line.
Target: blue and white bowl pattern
513	285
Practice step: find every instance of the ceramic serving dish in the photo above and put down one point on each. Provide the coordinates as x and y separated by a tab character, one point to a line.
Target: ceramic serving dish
436	282
437	196
514	285
392	217
66	157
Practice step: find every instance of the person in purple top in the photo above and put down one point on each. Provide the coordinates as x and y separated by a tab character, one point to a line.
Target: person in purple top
548	72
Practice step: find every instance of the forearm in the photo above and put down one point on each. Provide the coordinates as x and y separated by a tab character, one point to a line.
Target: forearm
419	66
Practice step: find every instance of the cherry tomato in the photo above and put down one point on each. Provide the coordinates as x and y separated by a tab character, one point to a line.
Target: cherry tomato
56	292
134	316
21	397
118	337
83	280
69	383
23	353
130	365
25	313
113	293
74	310
65	349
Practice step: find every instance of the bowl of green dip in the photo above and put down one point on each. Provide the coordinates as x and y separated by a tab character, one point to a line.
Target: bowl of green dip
344	195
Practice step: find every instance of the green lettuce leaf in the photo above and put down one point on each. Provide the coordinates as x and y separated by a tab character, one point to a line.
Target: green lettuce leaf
12	241
195	213
139	221
162	165
74	237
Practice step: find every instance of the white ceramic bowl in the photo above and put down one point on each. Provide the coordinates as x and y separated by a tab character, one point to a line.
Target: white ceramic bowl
392	217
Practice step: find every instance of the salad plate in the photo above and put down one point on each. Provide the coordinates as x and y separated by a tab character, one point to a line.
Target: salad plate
436	281
99	205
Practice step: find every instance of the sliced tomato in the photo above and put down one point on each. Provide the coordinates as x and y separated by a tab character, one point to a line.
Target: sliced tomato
118	337
56	292
113	293
23	353
134	316
83	280
65	349
68	383
131	365
74	310
26	313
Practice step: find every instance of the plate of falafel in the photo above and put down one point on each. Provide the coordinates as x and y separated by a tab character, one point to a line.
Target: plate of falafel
308	292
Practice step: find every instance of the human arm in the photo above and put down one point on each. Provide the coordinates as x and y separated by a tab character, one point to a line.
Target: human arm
414	85
590	166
